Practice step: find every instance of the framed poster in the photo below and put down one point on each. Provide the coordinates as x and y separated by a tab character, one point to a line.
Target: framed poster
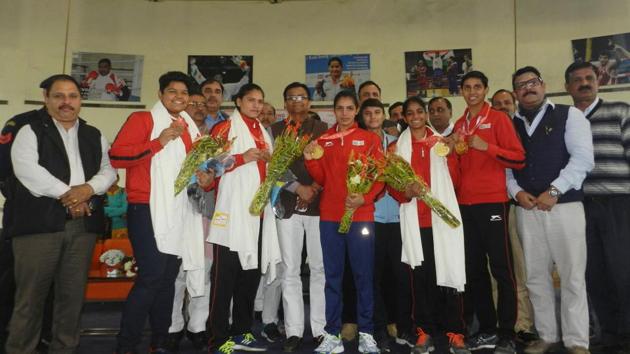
326	75
233	71
433	73
610	54
107	76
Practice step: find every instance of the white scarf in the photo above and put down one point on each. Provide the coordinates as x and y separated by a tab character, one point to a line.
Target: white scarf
177	228
232	225
448	242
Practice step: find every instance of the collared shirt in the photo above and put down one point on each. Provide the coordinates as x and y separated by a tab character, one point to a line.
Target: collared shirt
40	182
579	143
592	106
448	130
211	121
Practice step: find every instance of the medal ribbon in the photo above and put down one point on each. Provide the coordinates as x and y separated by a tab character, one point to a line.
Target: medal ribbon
466	131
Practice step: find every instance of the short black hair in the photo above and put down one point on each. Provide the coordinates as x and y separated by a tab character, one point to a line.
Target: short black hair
475	74
440	98
337	59
105	61
175	76
371	102
577	65
245	89
212	81
293	85
413	99
392	106
368	83
502	91
524	70
48	82
346	93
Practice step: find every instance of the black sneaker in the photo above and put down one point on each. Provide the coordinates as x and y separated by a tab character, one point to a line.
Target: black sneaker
406	338
292	344
383	342
318	340
271	333
482	341
172	341
526	337
505	346
199	340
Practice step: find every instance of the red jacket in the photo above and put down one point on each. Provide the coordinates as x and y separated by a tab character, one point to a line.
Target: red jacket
133	150
483	172
331	170
421	164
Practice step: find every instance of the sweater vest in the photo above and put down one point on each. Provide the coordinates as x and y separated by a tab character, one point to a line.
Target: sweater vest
545	153
33	215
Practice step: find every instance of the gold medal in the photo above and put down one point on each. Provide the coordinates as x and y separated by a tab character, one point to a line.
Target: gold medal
461	147
442	149
317	152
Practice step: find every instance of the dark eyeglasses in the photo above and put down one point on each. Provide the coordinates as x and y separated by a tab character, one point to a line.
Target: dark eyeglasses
535	82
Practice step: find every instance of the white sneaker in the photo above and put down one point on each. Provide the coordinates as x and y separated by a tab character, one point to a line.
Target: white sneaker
330	345
367	344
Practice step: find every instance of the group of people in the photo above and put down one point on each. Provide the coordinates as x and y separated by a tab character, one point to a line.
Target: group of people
536	186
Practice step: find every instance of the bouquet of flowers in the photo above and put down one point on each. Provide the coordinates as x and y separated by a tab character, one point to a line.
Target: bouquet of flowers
203	149
363	171
286	148
399	174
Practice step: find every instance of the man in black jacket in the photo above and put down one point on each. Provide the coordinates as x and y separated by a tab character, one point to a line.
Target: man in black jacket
61	168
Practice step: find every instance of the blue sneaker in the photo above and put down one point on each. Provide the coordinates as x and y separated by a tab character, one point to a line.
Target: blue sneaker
247	342
225	348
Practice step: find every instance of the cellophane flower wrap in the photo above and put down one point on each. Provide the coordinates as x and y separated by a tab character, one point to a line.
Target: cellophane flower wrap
203	149
399	174
287	147
363	171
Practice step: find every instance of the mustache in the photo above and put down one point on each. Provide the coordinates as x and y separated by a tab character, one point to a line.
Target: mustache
66	106
529	93
585	88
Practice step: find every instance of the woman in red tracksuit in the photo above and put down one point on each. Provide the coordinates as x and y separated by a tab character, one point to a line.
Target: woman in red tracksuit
330	172
434	308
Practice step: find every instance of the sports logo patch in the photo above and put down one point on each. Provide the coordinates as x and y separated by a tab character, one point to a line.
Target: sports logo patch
485	126
328	144
495	218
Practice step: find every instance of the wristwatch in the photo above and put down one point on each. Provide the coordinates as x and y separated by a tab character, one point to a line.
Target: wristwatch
554	192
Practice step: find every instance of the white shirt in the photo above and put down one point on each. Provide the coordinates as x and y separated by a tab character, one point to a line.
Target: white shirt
98	90
590	108
579	143
40	182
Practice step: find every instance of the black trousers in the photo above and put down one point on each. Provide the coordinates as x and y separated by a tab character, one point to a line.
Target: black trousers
608	263
392	288
230	281
435	308
154	289
486	239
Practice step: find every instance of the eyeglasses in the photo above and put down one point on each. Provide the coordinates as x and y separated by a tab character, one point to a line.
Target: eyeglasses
197	104
535	82
296	98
